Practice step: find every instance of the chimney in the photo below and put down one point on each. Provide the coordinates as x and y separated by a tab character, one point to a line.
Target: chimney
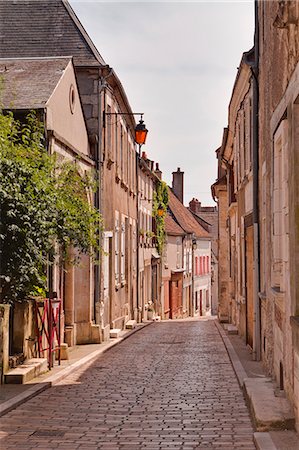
195	206
178	184
158	171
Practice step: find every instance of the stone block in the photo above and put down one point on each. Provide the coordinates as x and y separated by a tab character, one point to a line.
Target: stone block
64	352
106	333
131	324
26	372
232	329
269	412
115	333
263	441
96	332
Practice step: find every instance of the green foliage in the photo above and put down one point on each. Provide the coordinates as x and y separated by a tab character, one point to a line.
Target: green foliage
160	203
44	209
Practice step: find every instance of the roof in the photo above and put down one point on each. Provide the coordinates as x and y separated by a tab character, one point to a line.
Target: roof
184	218
29	83
206	225
171	227
44	28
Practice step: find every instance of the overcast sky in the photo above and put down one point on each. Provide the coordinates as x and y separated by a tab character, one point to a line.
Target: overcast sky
177	62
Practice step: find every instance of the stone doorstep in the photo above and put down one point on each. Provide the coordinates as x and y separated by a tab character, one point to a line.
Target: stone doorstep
269	412
131	324
26	372
115	333
230	328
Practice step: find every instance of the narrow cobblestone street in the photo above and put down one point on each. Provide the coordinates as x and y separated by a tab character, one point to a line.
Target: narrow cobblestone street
170	385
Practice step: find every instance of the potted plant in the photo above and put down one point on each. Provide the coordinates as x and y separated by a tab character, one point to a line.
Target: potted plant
150	310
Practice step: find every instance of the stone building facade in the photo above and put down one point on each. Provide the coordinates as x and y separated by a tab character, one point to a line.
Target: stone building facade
43	29
278	32
52	91
258	198
149	260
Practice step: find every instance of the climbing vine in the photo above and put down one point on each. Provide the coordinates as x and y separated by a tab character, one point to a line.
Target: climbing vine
44	209
160	203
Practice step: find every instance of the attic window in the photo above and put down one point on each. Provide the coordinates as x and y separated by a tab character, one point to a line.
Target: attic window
72	98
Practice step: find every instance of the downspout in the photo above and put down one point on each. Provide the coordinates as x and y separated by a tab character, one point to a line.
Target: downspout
255	169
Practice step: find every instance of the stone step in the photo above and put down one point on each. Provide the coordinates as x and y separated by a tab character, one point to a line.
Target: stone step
231	329
26	372
115	333
131	324
276	440
269	411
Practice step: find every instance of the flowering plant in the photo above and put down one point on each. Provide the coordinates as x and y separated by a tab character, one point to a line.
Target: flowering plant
149	306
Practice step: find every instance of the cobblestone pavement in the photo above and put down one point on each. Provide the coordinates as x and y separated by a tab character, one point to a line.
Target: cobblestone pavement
171	385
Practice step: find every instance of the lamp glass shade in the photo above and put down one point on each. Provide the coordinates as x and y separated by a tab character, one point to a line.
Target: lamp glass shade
140	133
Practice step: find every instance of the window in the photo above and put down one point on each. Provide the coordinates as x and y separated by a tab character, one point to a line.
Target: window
116	247
122	151
122	251
108	128
201	265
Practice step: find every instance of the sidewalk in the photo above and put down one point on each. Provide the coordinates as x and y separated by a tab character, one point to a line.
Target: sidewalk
251	373
12	395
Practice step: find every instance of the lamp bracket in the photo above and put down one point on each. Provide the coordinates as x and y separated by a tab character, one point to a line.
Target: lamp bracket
119	114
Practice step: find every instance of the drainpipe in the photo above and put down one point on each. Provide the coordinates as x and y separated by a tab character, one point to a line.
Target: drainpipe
255	169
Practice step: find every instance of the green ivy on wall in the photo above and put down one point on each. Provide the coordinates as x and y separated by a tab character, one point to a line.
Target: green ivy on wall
160	203
44	209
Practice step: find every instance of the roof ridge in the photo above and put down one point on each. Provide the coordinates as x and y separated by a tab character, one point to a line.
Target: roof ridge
83	32
185	218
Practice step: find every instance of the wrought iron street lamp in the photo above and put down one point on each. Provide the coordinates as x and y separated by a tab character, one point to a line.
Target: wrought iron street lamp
140	133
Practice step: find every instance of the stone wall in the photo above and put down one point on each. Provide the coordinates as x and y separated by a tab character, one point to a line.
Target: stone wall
278	95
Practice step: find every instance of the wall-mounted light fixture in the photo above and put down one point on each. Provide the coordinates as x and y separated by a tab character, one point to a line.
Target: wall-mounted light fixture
140	129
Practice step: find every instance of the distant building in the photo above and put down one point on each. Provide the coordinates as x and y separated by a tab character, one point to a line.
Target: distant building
207	217
187	259
149	260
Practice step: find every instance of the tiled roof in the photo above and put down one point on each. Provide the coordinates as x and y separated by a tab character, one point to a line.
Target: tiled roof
42	28
184	217
171	227
29	83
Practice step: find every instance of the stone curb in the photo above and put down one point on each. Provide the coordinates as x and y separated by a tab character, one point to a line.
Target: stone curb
236	363
263	441
31	392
